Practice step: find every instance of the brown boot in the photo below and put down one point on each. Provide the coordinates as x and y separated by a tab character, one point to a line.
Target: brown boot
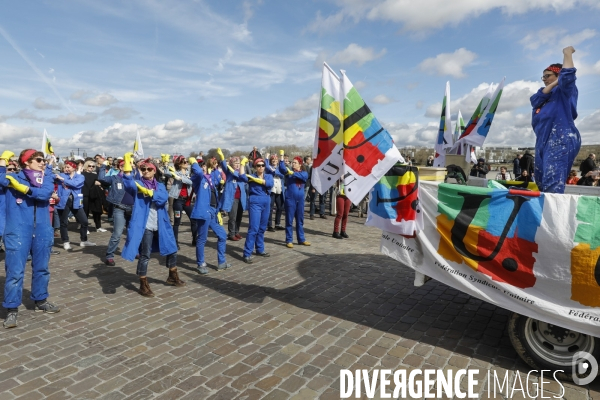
173	278
145	288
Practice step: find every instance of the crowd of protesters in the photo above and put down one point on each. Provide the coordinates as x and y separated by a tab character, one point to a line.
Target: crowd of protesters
145	200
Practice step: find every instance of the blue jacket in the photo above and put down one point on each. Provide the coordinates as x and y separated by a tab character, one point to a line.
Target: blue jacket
137	226
234	180
2	208
117	187
70	186
256	189
294	184
203	187
557	110
20	220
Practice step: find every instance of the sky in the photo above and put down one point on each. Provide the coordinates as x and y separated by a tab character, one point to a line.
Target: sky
194	75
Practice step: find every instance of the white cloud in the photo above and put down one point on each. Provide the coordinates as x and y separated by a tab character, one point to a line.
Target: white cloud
427	15
72	118
356	54
40	104
451	64
382	99
100	100
120	113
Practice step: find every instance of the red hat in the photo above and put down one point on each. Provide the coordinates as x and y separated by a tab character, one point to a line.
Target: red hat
257	161
554	69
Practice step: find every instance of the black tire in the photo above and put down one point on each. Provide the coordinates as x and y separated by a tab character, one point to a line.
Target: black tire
549	347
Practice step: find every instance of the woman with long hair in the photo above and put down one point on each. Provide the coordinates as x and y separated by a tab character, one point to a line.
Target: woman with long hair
28	231
234	198
277	194
181	193
295	179
259	201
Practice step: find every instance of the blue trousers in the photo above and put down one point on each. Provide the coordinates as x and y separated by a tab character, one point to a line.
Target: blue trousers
18	246
554	161
146	250
120	219
258	213
203	225
294	208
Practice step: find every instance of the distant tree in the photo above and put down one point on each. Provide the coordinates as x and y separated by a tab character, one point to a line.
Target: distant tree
213	153
193	154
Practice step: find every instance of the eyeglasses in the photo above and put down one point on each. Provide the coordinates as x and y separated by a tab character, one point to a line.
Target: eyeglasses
260	165
546	76
146	169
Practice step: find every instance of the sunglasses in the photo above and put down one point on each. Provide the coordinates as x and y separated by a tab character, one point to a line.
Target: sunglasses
260	165
91	166
38	159
11	169
143	169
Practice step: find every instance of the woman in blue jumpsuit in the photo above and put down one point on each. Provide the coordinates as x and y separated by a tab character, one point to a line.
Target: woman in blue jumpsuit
206	215
259	201
295	179
554	112
28	230
150	228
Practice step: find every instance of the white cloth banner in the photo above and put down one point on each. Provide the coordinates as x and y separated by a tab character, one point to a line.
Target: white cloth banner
535	254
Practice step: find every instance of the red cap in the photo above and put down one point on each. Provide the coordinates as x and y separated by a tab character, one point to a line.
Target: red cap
257	161
27	155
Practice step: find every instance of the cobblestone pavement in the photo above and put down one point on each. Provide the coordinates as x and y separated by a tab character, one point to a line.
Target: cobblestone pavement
281	328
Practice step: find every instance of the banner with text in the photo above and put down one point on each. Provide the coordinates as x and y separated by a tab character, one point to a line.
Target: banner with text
533	253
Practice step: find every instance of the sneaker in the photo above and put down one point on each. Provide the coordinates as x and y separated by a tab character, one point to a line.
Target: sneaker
88	232
54	252
100	230
290	245
67	246
72	219
271	229
305	243
87	243
46	307
265	254
312	217
223	266
11	320
279	228
323	216
202	269
248	260
110	262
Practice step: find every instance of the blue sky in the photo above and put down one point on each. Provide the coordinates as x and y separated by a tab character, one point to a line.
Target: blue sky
191	75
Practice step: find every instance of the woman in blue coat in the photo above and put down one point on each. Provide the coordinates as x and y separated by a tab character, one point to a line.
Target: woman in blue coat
150	228
206	215
28	230
234	198
553	119
295	179
277	193
71	199
259	200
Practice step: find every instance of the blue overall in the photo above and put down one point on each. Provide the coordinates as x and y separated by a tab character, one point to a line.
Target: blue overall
233	182
294	203
557	139
2	210
259	204
205	214
28	230
165	244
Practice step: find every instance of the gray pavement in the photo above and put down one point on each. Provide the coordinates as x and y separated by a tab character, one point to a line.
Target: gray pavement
281	328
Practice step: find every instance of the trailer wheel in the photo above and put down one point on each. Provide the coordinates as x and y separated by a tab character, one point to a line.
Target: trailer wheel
546	346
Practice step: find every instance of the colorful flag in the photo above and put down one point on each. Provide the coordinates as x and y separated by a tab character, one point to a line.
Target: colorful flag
327	154
138	150
444	137
460	126
369	150
46	145
394	202
481	121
